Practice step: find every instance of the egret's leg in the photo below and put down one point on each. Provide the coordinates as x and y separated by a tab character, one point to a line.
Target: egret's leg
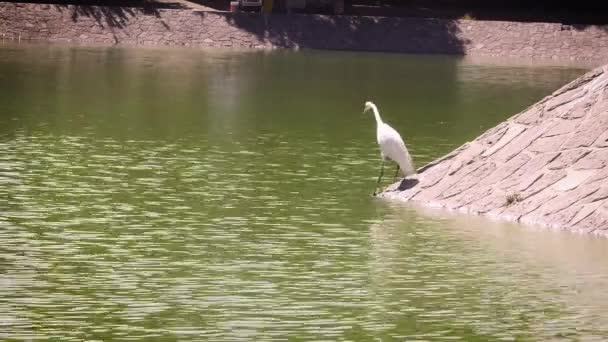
379	177
396	173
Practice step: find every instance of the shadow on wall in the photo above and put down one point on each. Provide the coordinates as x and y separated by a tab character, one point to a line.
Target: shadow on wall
416	35
218	5
114	16
581	12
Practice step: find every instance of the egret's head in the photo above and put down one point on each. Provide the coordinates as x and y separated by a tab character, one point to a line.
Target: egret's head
368	106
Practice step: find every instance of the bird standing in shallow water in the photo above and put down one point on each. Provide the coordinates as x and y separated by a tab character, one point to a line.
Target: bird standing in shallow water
392	146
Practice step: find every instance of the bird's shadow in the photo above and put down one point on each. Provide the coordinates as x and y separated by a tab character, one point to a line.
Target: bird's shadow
407	183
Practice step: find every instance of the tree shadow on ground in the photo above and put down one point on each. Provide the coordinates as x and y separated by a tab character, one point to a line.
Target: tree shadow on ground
110	13
406	35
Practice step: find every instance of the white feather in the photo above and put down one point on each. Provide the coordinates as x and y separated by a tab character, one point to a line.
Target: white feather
391	144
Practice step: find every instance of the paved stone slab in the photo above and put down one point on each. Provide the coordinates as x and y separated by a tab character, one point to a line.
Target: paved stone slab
593	160
546	144
529	171
602	141
563	127
512	132
547	165
588	132
519	143
567	158
584	210
572	180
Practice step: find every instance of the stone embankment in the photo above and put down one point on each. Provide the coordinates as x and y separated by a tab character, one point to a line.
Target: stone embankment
186	27
547	165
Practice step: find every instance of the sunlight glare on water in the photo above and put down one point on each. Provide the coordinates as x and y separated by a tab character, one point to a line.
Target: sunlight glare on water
223	195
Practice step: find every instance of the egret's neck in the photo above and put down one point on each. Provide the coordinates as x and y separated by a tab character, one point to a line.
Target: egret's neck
377	115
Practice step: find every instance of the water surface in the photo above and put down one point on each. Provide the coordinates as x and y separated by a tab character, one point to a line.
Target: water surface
224	195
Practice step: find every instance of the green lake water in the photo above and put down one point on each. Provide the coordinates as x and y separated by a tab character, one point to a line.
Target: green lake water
178	194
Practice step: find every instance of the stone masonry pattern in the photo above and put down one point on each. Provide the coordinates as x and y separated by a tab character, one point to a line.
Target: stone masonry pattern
548	165
185	27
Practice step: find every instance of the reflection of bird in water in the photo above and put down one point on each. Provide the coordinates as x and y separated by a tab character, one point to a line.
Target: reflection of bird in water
384	258
392	146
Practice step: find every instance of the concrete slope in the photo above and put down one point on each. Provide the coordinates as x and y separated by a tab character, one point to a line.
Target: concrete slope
546	165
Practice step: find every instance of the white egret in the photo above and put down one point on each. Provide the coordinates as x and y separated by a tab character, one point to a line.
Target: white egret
392	146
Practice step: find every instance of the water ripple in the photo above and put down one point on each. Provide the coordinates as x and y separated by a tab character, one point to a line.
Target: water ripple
133	216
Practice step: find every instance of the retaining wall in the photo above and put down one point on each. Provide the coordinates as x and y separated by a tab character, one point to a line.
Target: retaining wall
137	26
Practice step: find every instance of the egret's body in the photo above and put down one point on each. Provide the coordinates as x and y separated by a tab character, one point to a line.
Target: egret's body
391	145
